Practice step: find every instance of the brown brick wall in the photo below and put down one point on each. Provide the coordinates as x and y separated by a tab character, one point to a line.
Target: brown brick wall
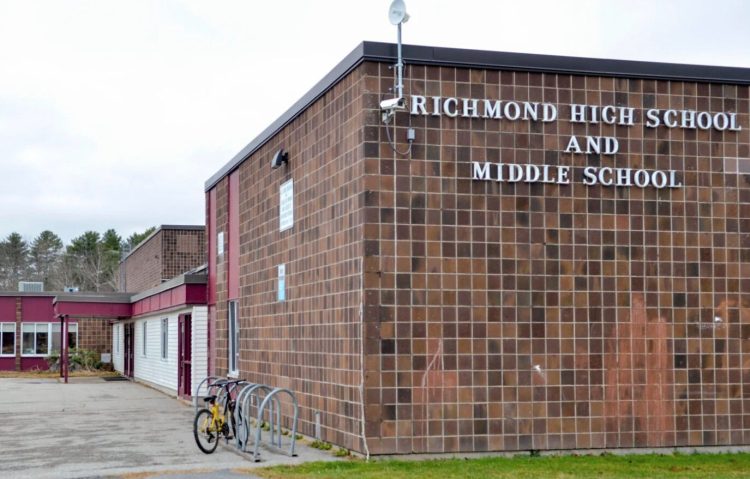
183	250
169	253
543	316
310	342
220	338
142	268
499	316
95	334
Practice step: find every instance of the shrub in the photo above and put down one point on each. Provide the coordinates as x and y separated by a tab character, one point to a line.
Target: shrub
79	360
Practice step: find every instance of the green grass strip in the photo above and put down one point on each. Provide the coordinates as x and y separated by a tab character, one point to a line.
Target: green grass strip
702	466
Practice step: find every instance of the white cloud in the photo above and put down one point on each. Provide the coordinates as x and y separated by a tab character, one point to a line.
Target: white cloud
113	114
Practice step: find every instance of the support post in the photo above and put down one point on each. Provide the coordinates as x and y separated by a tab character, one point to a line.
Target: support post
64	345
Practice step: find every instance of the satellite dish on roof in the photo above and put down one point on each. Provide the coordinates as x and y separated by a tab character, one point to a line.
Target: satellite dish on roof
397	12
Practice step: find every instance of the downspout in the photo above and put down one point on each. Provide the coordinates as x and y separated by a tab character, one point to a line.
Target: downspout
362	357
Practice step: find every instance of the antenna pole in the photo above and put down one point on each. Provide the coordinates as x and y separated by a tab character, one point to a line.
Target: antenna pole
399	68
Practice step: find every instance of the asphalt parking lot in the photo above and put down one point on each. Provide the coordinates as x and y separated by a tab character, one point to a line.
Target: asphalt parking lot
93	428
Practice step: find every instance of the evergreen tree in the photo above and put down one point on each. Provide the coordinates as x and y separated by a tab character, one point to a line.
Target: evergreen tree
45	258
136	238
14	261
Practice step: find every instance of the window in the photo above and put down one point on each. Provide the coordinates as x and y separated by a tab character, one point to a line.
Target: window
8	339
35	339
72	336
164	337
117	338
234	338
144	337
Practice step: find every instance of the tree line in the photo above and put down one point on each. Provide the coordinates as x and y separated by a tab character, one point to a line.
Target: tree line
90	262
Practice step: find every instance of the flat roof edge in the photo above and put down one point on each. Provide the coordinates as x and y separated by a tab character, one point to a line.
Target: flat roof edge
171	284
534	62
119	298
530	62
159	229
351	61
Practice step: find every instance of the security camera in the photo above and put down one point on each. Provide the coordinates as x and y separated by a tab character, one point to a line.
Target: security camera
393	104
279	158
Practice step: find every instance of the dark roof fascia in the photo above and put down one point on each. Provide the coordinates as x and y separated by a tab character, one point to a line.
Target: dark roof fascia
43	294
123	298
171	284
457	57
531	62
183	227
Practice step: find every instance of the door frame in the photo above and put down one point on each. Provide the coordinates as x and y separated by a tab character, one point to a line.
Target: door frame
129	349
184	355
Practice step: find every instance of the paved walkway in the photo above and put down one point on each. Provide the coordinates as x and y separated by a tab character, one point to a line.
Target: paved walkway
93	428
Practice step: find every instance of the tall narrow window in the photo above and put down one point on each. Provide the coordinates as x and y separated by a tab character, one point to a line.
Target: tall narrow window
164	337
145	323
234	338
8	339
117	338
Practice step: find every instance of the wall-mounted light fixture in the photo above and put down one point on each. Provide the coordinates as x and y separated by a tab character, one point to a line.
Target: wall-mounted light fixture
280	157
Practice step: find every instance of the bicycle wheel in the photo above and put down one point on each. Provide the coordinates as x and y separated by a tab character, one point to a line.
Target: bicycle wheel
205	431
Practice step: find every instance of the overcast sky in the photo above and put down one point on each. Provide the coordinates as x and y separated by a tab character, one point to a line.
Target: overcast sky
114	114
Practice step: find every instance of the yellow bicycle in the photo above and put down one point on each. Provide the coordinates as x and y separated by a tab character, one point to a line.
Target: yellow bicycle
211	423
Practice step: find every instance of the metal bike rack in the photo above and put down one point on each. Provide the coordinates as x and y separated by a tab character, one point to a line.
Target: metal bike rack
266	400
246	405
239	415
208	381
241	389
269	399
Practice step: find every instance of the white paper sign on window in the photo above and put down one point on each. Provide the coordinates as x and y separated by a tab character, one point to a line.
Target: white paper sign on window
286	205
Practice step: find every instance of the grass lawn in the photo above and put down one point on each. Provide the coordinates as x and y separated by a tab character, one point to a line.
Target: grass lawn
601	467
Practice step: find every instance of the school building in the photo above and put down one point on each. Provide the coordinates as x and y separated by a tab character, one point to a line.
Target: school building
528	252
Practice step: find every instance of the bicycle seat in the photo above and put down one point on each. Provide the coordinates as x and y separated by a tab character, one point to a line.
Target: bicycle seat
209	399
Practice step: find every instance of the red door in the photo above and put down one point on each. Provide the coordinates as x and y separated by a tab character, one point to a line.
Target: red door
184	355
129	349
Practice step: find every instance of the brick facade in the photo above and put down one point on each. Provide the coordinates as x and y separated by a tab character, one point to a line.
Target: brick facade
310	343
95	334
498	316
167	253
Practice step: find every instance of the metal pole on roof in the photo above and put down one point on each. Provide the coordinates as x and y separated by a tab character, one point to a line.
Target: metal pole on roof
399	68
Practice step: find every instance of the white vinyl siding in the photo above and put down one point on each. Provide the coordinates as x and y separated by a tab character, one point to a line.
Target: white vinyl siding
154	369
199	348
118	345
